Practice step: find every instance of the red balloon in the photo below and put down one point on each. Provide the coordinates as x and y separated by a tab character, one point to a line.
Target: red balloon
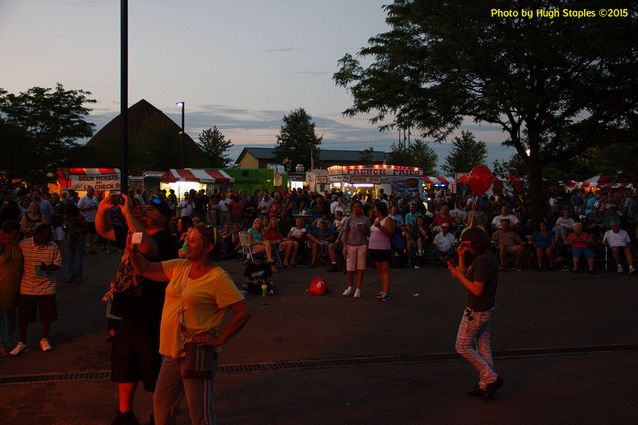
480	179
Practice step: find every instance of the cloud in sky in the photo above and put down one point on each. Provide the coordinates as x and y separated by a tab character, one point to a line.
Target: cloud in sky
245	127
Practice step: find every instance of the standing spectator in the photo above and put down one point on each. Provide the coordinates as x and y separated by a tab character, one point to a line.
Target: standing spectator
263	208
236	210
75	235
580	243
10	270
443	245
224	209
46	208
31	220
480	279
201	204
476	217
380	247
410	217
508	242
38	286
198	295
88	205
618	240
135	348
186	206
355	247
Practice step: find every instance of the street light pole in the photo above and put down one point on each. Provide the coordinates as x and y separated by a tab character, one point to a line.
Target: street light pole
182	104
124	96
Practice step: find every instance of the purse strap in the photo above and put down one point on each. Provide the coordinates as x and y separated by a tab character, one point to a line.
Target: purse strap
181	322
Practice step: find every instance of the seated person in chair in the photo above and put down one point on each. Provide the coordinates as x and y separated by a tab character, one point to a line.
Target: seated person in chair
508	242
618	240
257	242
274	237
581	243
324	238
297	236
543	241
443	245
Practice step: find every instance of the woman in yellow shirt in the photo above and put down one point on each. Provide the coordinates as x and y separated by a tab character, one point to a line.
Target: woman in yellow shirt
197	296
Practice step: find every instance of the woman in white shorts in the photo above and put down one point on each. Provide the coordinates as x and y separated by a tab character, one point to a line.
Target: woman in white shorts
355	247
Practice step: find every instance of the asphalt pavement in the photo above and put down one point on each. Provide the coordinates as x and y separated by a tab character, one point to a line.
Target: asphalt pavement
566	345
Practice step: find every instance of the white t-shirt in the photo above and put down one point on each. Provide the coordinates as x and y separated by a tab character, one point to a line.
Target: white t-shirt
496	223
91	208
185	208
620	239
444	243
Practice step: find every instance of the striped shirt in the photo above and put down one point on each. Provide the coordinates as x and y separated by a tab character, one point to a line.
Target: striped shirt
34	255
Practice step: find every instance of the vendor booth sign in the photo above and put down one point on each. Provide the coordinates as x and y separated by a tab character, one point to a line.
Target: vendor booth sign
101	179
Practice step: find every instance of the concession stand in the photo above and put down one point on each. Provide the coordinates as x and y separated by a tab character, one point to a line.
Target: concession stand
106	180
183	180
370	179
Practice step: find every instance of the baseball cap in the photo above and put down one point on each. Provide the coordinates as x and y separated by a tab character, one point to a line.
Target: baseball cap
445	225
161	206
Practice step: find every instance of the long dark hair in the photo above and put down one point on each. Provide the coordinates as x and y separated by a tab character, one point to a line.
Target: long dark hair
477	237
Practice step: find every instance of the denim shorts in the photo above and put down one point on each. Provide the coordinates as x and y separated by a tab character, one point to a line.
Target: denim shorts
587	252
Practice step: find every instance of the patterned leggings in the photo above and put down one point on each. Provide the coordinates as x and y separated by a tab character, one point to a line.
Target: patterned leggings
474	332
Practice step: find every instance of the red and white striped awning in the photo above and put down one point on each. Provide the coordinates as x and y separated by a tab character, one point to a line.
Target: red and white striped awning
196	175
91	171
438	180
597	181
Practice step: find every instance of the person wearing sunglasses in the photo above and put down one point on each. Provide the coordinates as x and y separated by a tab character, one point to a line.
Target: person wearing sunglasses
136	301
480	278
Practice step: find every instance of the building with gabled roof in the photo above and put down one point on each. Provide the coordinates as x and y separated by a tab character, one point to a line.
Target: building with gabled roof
257	157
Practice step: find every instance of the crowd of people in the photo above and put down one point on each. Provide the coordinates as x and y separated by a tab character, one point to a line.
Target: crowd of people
168	295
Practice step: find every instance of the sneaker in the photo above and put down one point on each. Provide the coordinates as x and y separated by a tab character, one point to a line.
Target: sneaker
19	349
619	268
357	293
492	387
517	269
632	270
380	294
416	267
476	392
45	345
347	292
385	297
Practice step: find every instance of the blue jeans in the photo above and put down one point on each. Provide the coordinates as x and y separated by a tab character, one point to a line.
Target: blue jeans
473	343
74	257
7	328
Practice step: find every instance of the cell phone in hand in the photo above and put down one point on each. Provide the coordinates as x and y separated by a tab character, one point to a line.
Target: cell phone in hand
136	238
116	199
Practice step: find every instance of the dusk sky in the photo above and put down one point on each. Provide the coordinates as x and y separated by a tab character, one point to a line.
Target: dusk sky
240	65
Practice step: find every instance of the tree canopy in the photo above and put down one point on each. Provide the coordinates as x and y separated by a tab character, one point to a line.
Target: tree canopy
466	153
214	145
40	128
554	86
297	139
417	154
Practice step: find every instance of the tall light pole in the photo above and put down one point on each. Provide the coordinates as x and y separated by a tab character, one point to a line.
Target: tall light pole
182	104
124	96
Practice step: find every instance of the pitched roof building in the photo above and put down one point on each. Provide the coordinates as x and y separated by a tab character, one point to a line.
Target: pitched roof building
261	157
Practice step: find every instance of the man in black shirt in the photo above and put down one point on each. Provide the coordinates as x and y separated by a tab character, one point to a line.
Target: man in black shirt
480	279
139	302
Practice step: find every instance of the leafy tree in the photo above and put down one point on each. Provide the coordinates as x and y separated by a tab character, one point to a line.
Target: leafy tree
367	156
297	139
466	153
418	154
555	86
214	144
40	128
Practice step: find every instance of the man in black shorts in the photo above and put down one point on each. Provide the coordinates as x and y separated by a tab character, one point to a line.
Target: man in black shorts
135	348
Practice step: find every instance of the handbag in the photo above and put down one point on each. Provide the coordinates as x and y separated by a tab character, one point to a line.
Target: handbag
200	359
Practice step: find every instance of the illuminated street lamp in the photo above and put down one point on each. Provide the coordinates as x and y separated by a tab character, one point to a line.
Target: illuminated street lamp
182	103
